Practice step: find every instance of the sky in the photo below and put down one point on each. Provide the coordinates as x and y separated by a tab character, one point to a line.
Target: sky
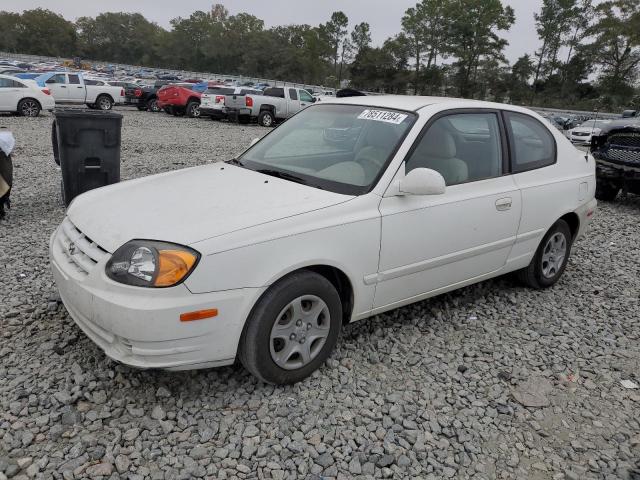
383	15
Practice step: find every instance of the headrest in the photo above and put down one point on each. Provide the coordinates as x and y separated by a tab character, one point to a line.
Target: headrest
437	142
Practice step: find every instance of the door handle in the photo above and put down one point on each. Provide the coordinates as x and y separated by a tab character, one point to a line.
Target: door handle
78	86
62	86
503	204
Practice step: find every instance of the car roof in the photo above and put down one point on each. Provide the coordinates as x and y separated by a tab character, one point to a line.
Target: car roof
415	103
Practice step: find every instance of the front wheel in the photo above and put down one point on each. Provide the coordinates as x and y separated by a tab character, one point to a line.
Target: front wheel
28	107
193	110
266	118
606	190
292	329
104	103
551	258
152	105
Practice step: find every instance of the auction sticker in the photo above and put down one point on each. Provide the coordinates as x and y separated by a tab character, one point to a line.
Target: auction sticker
383	116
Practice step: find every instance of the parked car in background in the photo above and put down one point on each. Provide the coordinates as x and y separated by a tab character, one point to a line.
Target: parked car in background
616	149
583	133
275	104
71	88
629	114
212	102
145	97
180	99
265	258
24	97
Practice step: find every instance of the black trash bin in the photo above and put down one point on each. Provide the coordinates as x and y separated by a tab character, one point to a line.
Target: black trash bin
86	145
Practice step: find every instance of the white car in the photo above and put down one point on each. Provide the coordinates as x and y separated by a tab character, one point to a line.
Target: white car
24	97
347	210
583	133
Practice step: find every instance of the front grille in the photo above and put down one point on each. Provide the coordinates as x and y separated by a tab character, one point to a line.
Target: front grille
625	140
627	156
580	134
80	251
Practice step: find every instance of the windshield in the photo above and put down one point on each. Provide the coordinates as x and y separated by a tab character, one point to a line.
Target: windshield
341	148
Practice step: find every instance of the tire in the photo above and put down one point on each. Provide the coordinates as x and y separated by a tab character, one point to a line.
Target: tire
606	190
28	107
103	102
546	268
193	110
263	347
266	118
152	105
54	142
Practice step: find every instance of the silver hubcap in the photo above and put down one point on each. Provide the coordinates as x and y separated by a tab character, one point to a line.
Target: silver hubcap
554	254
196	111
29	109
105	104
300	332
266	120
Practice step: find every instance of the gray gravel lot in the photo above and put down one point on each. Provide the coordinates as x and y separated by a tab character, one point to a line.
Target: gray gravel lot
433	390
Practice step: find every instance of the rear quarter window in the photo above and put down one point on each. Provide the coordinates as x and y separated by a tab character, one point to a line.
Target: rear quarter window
532	145
274	92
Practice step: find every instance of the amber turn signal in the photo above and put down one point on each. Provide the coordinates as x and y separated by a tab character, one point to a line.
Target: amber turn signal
173	265
199	315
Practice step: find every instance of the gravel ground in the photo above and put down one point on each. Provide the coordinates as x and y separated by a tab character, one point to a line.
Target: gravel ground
439	389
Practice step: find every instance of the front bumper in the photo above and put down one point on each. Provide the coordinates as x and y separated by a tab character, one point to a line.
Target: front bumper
141	327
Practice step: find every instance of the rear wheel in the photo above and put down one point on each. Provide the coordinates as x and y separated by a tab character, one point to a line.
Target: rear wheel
551	258
193	110
104	102
266	118
606	190
292	329
152	105
28	107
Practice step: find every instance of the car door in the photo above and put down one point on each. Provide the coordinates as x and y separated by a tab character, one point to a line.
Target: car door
76	89
293	104
8	101
432	243
57	84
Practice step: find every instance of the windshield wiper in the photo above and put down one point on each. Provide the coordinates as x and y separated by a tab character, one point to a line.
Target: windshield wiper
283	175
235	161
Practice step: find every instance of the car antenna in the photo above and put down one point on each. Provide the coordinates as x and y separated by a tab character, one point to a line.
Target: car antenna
593	127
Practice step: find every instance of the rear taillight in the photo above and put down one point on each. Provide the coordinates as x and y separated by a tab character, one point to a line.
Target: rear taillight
46	91
219	98
122	92
248	101
138	92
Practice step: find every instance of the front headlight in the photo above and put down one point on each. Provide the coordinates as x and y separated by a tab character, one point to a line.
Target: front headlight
147	263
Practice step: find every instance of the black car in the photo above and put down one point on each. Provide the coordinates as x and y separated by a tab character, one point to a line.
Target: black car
617	153
145	97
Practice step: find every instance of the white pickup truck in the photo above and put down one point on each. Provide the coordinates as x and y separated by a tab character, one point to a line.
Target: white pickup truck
276	103
70	88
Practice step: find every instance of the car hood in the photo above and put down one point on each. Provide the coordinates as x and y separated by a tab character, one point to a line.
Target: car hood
191	205
585	130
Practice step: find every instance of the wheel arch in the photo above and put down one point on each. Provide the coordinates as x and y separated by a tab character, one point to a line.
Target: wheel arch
193	99
268	107
573	220
29	98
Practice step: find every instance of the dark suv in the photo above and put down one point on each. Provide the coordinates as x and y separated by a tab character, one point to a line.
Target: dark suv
617	153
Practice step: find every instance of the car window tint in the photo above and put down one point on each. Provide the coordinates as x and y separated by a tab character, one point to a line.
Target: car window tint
293	94
274	92
532	144
6	83
74	79
305	97
58	78
463	148
17	84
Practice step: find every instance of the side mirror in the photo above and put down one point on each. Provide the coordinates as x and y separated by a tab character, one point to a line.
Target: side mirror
254	141
422	181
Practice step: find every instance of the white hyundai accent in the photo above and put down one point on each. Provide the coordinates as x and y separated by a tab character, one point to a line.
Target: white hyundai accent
351	208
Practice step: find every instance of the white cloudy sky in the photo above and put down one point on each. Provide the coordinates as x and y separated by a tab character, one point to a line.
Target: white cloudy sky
383	15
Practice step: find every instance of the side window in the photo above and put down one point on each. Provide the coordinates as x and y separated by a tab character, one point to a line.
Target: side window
462	147
74	79
90	82
293	94
532	145
305	97
60	78
16	84
6	83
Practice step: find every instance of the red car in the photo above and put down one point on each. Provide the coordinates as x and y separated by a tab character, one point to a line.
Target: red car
180	99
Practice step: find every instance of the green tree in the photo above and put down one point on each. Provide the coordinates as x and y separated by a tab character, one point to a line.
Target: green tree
9	32
335	31
42	32
361	37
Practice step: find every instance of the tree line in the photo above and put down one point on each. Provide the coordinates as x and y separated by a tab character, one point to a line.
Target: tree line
588	53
